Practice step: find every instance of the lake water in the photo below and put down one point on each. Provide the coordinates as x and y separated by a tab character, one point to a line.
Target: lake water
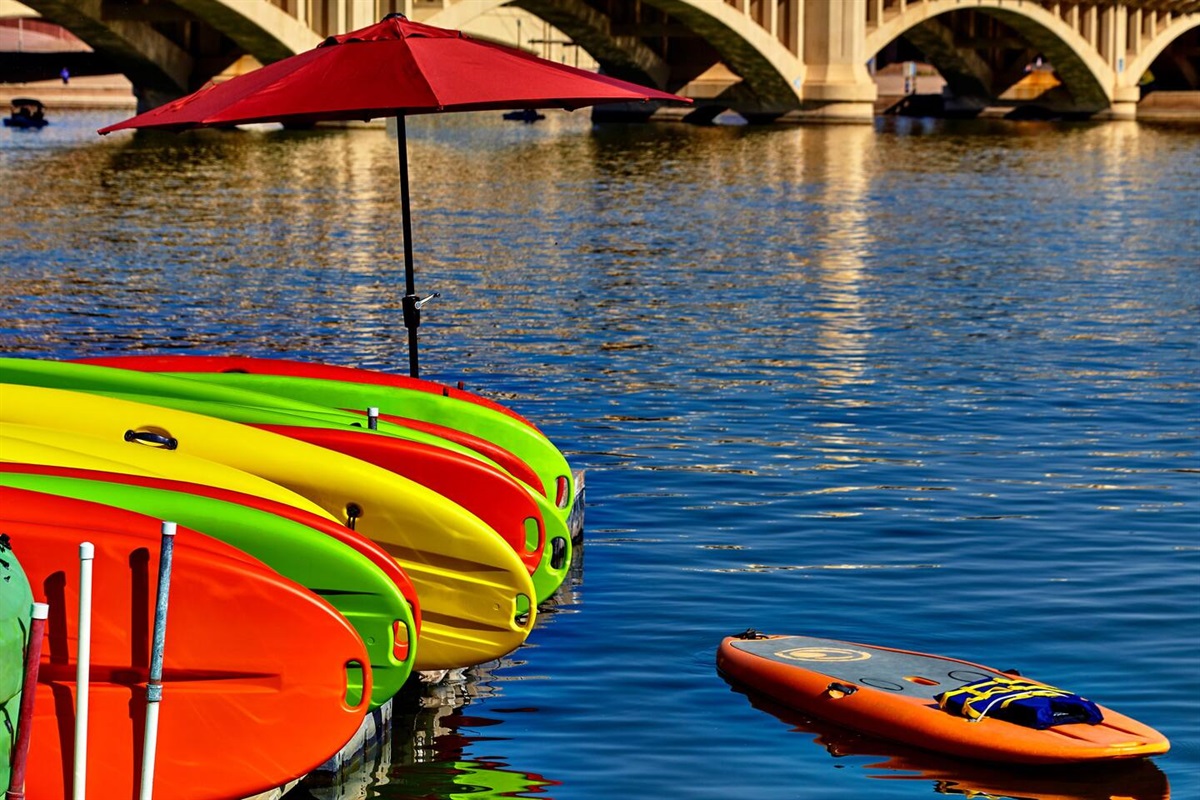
926	385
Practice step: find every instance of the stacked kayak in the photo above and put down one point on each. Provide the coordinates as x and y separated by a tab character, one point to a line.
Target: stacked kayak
238	661
521	513
426	522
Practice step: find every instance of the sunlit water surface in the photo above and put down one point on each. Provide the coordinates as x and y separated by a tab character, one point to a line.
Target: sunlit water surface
923	385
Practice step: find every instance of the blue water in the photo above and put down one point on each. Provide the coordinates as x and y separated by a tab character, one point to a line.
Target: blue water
925	385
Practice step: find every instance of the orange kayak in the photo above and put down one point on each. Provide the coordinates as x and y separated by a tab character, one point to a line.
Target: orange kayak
255	670
894	694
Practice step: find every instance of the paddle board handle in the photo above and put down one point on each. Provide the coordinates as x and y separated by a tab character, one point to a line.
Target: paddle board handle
839	690
149	437
33	660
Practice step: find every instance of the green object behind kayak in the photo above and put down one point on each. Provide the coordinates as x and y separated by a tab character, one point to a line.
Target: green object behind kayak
16	604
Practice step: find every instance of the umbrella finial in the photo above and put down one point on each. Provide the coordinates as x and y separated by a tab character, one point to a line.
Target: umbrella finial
393	15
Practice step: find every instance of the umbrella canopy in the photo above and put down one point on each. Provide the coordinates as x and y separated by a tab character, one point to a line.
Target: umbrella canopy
392	69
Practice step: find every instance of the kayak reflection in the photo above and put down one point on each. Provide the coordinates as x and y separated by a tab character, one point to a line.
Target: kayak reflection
426	746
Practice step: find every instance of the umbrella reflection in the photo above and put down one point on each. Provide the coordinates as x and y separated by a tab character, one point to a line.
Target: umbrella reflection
1132	780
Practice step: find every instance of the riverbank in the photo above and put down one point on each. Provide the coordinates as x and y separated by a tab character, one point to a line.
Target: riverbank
114	91
84	92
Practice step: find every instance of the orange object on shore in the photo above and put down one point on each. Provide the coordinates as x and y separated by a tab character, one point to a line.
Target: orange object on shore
255	670
893	694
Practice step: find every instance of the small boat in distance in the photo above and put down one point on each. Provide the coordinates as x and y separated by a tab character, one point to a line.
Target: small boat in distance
26	113
525	115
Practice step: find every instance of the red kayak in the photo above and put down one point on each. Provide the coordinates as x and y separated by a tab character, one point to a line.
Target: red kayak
378	556
255	669
496	498
513	465
299	369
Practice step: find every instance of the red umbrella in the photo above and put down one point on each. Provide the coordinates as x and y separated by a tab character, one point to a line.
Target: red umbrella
392	69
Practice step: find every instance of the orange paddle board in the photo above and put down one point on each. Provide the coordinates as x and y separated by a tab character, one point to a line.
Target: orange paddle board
893	694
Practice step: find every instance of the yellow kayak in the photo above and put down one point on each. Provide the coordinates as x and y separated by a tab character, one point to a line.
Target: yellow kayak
476	595
28	444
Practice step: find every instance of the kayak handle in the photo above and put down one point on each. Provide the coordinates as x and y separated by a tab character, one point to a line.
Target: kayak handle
149	437
839	690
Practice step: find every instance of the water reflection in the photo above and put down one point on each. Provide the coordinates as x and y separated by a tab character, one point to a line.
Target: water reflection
815	375
843	242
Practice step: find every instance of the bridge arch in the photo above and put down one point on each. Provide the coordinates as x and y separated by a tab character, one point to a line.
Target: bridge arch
772	74
150	60
162	69
260	28
1161	41
1084	73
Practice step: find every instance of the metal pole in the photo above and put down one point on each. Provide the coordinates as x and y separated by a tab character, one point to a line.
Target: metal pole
412	310
154	687
33	660
87	553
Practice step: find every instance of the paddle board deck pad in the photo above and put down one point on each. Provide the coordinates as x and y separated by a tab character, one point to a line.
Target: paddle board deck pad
333	571
476	595
300	369
319	522
253	665
915	698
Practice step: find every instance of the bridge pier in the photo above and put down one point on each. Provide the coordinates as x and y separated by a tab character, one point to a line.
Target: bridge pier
837	113
836	86
1124	104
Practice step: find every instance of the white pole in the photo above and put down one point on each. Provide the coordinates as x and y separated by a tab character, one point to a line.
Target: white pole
87	553
154	686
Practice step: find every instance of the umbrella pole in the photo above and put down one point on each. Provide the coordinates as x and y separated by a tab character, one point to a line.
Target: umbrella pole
412	307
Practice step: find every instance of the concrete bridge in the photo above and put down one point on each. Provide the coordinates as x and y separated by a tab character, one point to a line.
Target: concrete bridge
796	60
